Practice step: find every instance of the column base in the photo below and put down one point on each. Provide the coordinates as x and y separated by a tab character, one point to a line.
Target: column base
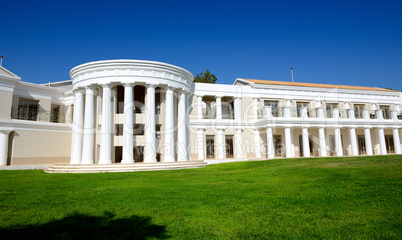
169	159
127	161
87	162
150	160
105	162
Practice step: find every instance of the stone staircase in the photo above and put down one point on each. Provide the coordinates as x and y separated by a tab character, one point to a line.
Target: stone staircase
119	167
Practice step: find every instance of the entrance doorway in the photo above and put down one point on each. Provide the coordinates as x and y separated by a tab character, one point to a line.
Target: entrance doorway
362	144
332	150
210	145
229	146
389	143
278	146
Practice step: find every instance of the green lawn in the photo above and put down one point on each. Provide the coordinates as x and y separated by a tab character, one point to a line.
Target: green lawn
315	198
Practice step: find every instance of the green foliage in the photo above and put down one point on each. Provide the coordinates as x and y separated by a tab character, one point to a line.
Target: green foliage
206	77
307	198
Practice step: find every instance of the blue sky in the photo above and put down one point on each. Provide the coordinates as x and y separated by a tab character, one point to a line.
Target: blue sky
335	42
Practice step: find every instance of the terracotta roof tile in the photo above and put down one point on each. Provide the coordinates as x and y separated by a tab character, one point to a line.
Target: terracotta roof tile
320	85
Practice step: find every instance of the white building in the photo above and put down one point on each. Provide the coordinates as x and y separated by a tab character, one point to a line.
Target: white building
127	111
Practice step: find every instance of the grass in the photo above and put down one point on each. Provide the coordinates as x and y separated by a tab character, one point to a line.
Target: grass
316	198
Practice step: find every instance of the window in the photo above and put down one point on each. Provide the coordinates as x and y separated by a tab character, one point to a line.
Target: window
359	110
54	113
28	109
385	112
329	107
301	105
274	107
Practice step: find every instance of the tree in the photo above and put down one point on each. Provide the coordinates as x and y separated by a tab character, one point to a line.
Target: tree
206	77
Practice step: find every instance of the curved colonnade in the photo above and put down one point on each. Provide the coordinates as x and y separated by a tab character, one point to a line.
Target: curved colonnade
105	76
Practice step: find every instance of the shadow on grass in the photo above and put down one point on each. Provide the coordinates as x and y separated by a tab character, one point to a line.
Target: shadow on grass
78	226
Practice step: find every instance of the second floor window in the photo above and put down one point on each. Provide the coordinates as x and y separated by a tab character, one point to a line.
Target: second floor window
301	105
54	113
28	109
385	112
329	107
358	110
274	107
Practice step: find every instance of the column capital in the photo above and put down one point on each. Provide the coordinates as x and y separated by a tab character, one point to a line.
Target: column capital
128	84
237	97
79	90
92	87
6	131
218	96
150	85
107	85
200	95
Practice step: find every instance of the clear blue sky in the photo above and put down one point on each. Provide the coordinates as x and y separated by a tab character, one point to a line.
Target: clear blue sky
336	42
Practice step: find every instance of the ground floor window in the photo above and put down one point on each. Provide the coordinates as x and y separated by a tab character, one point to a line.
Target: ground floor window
389	143
210	145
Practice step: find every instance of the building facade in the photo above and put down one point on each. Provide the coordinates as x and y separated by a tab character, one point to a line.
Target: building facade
128	111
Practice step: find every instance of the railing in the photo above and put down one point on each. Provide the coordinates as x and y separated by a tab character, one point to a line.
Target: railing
312	113
209	114
359	114
386	114
40	115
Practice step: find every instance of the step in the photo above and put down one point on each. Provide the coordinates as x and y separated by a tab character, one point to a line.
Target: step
135	167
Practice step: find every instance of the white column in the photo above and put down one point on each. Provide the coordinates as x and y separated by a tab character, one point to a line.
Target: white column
88	145
199	107
303	112
288	142
381	139
353	141
4	146
257	143
150	132
218	107
181	128
367	140
267	112
169	126
323	144
78	128
335	113
379	114
255	109
397	143
128	127
239	144
105	153
201	144
306	144
270	143
237	109
187	119
338	142
220	144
